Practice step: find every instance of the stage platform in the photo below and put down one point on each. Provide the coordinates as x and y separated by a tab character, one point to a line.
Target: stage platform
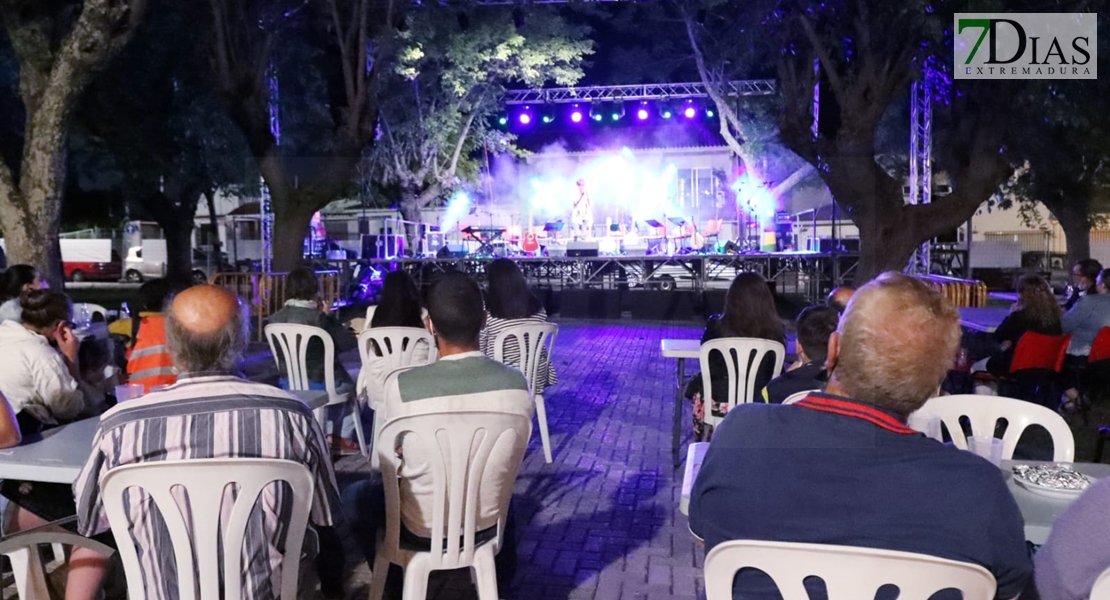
807	274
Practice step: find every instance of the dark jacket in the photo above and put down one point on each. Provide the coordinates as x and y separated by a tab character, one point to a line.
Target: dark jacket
342	338
810	376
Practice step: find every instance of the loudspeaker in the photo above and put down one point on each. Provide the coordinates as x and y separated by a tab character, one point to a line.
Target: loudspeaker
451	251
590	304
433	241
635	249
582	249
383	246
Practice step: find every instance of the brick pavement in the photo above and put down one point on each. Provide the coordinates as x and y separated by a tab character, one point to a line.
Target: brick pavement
600	522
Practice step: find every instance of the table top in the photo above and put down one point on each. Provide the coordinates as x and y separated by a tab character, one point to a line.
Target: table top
681	348
984	318
58	454
1038	511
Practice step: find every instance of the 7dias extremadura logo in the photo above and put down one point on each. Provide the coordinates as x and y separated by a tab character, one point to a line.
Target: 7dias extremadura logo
1026	46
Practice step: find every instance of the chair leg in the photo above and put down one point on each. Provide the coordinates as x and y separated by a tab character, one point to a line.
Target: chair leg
416	580
356	413
485	572
30	580
541	416
378	576
378	424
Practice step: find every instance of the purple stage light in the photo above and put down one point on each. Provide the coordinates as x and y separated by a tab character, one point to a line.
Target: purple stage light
525	118
642	114
576	116
689	113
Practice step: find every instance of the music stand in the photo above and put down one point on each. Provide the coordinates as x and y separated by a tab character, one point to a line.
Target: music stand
654	223
553	228
677	221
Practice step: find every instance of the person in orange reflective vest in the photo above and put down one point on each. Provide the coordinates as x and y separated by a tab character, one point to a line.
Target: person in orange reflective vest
149	362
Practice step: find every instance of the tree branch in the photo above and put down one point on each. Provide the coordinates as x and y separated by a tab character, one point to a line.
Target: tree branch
823	55
344	51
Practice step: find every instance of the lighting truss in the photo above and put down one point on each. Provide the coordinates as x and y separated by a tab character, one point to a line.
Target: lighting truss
650	91
921	145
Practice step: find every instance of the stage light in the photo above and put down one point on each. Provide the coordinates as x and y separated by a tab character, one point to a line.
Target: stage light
642	112
576	114
709	113
502	121
547	115
595	112
525	116
616	111
666	110
689	110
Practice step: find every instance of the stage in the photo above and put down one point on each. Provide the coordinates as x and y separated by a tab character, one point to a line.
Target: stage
807	274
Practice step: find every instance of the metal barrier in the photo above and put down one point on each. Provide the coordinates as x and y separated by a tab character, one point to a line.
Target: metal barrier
960	292
265	293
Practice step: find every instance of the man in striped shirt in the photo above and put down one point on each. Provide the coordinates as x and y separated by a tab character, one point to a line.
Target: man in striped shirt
208	413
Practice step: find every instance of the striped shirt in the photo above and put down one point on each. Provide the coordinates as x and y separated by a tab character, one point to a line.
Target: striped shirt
207	416
546	376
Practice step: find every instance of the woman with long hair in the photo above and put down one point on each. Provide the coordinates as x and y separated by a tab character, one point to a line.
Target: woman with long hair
509	302
749	312
12	283
1036	310
400	303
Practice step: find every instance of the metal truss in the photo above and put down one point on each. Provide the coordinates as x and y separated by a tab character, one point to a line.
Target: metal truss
921	150
806	274
650	91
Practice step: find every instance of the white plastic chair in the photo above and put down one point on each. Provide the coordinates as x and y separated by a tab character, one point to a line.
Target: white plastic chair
292	339
398	346
535	341
849	572
984	412
743	356
195	535
796	396
457	446
22	549
1101	589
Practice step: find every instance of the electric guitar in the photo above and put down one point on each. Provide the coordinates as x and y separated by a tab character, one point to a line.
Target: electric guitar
531	244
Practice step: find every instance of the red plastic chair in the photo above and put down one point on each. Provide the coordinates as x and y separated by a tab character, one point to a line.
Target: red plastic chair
1100	348
1035	369
1094	377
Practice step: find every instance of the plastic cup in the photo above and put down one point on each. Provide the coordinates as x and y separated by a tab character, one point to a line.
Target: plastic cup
989	448
930	426
129	391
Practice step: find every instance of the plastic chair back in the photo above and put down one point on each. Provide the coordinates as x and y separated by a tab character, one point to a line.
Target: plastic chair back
983	412
849	572
1100	348
1038	351
1101	589
457	446
742	357
291	340
195	531
395	345
534	342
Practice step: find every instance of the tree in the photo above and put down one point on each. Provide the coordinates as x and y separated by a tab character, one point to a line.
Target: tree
445	86
331	50
163	128
863	69
61	45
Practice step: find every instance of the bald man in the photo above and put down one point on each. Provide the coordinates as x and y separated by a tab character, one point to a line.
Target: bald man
209	413
838	298
841	467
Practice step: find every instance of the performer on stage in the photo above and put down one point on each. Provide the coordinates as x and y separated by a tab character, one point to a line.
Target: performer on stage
582	213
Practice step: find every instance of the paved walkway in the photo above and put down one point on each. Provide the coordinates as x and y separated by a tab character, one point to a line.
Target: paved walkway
602	520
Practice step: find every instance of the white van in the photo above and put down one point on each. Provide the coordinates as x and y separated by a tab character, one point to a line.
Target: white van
148	261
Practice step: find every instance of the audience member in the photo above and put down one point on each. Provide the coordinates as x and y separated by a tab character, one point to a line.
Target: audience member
1078	548
149	362
1036	310
833	468
815	325
838	298
1083	281
400	306
509	302
462	377
14	281
749	312
1090	313
304	308
206	331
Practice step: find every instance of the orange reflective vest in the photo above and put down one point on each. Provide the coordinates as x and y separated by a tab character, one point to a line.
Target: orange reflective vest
149	361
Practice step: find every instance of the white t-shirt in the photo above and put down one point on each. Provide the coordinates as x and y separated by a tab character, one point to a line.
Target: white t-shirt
34	376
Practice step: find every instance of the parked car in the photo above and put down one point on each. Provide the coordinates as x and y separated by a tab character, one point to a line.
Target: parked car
149	261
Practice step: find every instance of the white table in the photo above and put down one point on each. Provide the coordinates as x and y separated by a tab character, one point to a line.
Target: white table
58	454
1038	511
681	350
985	319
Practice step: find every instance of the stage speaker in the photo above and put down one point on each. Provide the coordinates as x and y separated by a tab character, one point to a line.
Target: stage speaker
433	241
820	244
383	246
556	250
849	244
635	249
590	304
451	251
582	249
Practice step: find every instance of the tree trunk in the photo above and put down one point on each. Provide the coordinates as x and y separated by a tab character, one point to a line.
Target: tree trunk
1073	213
31	237
410	211
179	251
210	198
292	217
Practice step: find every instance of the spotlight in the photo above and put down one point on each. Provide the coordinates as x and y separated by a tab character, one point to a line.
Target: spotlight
666	110
576	114
595	112
502	121
616	111
709	113
525	117
642	112
689	110
547	115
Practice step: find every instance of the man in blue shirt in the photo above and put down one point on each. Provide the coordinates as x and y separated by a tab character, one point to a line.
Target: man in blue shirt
841	467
